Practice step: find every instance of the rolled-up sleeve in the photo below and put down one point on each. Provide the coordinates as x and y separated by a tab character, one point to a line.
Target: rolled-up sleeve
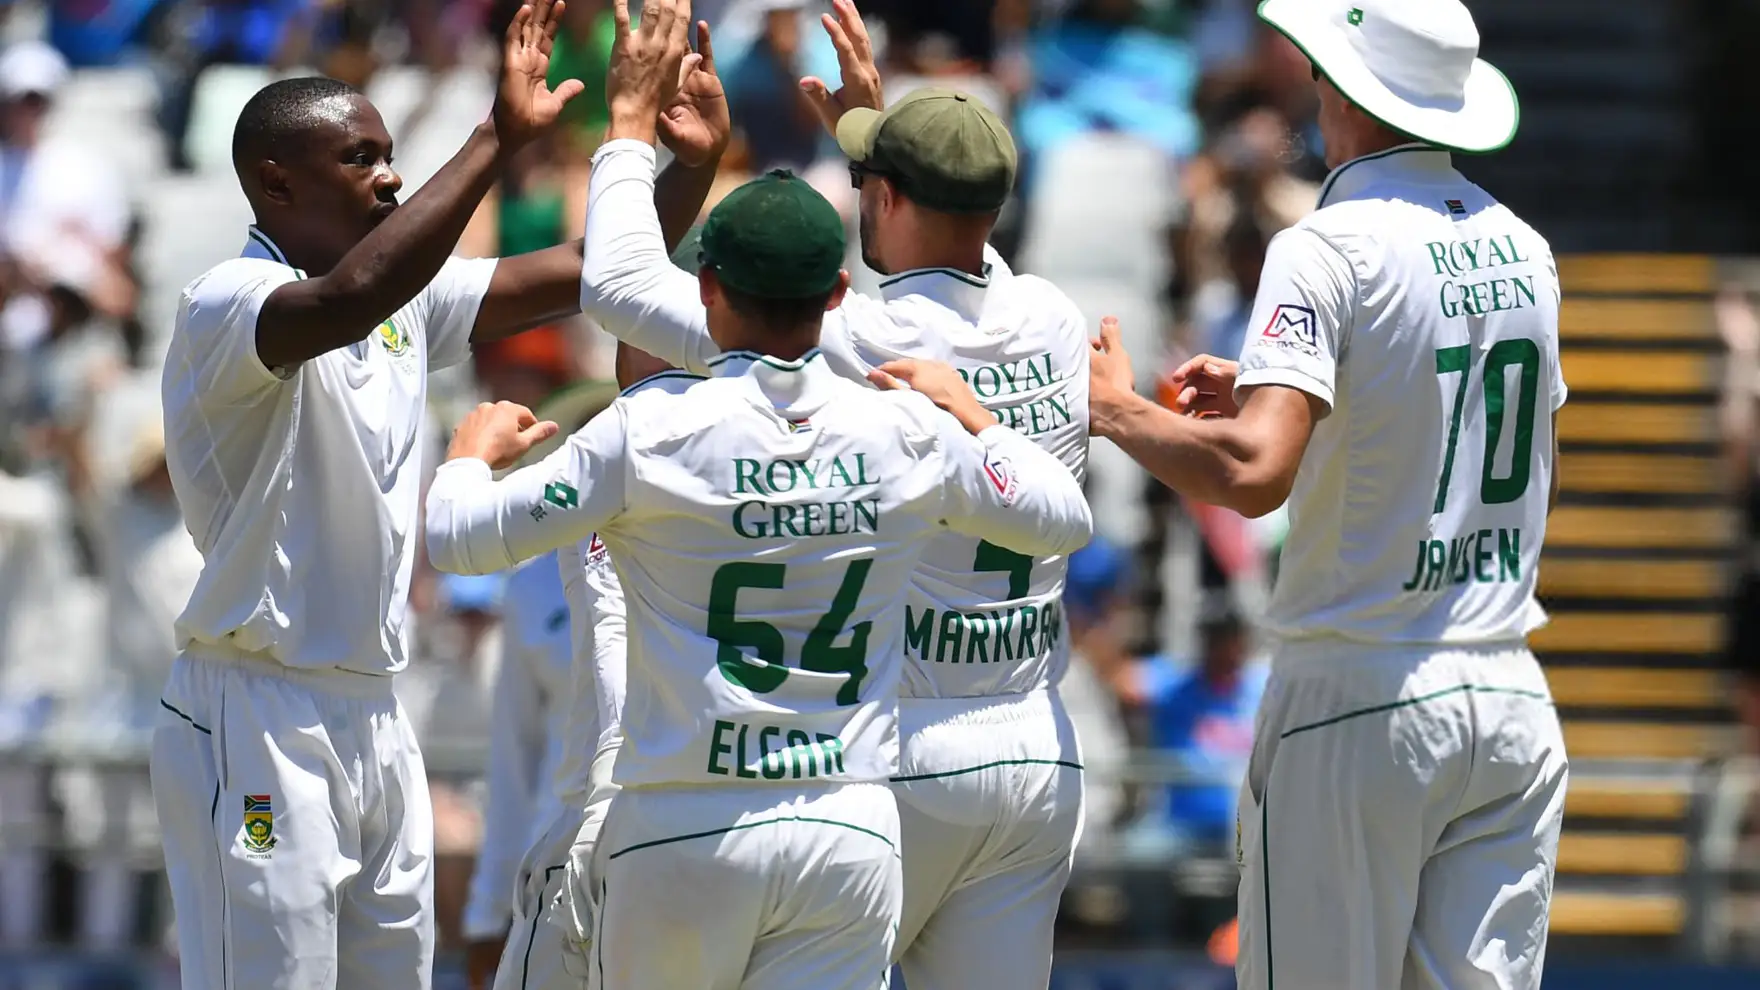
1006	489
478	525
1301	316
628	282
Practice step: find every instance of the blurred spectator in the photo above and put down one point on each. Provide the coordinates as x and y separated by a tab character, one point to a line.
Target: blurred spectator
1094	600
1200	719
763	48
1740	327
100	32
1102	68
582	51
273	33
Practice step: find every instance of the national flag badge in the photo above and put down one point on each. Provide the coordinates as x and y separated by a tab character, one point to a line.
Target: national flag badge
259	823
1456	208
1000	471
799	425
394	339
1292	322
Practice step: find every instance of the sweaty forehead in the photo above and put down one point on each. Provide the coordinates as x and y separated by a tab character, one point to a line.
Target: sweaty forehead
343	120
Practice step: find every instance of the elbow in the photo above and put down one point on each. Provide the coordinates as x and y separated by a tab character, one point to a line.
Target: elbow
1258	493
446	553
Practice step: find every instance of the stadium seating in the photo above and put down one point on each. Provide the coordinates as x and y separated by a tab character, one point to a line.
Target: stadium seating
1634	573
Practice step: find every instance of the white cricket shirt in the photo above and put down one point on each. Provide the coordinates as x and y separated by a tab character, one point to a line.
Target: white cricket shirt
1425	315
301	485
533	698
980	620
764	525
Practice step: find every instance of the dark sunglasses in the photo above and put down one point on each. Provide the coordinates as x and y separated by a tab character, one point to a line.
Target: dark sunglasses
858	171
1314	70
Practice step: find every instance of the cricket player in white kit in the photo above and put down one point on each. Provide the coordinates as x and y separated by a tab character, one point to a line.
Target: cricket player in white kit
1398	385
764	525
989	782
291	795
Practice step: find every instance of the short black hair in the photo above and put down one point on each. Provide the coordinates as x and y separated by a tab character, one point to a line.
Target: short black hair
777	314
279	117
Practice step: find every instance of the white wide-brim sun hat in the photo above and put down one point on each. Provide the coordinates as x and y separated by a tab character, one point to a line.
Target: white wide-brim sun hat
1411	64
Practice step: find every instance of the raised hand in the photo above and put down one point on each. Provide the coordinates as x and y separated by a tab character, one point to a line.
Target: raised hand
855	61
646	60
940	384
1109	367
499	434
525	105
1204	386
696	126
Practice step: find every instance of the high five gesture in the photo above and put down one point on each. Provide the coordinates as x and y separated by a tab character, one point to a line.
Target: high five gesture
645	70
525	105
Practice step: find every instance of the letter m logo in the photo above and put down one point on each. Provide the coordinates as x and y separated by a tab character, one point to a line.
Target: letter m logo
561	495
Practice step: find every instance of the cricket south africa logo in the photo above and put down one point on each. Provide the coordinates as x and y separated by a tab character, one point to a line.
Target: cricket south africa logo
259	824
562	496
396	341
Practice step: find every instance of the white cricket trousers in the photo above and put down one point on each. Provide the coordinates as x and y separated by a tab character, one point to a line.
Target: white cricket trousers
1399	827
299	837
990	807
748	888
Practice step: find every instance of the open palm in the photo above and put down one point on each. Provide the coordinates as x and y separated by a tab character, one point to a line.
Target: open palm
696	126
525	105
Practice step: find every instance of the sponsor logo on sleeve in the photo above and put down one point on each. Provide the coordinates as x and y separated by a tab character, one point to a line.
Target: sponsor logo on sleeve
1000	471
1292	327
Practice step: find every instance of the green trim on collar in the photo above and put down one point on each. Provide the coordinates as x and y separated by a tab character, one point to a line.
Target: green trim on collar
1331	180
268	245
978	281
780	364
656	376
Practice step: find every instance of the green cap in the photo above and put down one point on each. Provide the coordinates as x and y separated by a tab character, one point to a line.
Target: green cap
775	238
945	150
689	253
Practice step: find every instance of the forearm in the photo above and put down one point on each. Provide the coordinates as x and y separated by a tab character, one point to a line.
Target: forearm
386	269
679	194
1209	460
628	282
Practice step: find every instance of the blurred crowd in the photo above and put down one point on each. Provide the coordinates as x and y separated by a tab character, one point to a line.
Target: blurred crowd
1163	143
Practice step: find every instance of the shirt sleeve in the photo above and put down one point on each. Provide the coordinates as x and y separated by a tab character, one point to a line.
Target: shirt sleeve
218	321
628	282
478	525
610	642
1004	488
1559	390
516	749
1301	316
448	308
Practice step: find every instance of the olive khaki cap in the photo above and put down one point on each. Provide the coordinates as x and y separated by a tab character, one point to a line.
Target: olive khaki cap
945	150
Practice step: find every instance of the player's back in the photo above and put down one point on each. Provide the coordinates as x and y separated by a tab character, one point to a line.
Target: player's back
983	621
772	519
1420	507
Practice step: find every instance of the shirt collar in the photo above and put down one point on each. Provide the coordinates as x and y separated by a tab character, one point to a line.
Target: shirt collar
258	245
1413	158
788	386
960	291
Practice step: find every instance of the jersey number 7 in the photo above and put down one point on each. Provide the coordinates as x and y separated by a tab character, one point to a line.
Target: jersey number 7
1524	355
739	638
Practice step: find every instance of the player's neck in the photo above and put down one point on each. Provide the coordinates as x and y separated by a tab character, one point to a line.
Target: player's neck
1368	141
301	252
783	346
941	253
